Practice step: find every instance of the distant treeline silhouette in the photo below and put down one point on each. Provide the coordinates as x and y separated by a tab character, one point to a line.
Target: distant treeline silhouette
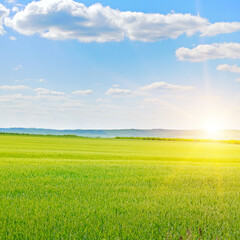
181	140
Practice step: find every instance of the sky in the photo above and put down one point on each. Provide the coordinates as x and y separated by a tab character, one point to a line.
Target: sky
68	64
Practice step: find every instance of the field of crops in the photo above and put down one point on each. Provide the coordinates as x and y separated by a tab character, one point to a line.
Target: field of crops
80	188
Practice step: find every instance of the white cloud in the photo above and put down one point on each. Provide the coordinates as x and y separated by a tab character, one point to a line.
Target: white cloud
17	68
229	68
209	51
14	88
118	92
11	1
101	100
73	104
143	91
34	94
10	98
38	91
15	9
237	80
220	28
44	91
155	27
67	19
152	101
12	38
18	98
41	80
83	92
167	86
3	14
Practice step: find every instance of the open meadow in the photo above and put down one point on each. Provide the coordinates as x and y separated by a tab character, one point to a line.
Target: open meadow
56	187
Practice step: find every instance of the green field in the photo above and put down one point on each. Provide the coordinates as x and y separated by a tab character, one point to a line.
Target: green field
82	188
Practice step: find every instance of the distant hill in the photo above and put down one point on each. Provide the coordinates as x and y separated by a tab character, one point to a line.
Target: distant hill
161	133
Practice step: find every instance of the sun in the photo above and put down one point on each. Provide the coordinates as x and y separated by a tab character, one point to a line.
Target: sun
213	127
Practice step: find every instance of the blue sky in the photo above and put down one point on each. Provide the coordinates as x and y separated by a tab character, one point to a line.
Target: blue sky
120	64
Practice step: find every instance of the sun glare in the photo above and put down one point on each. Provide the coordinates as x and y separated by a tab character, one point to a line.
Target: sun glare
213	127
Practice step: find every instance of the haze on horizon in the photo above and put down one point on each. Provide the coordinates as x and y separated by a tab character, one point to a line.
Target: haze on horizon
69	64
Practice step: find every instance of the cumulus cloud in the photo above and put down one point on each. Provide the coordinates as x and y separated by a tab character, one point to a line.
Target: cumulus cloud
14	88
15	9
67	19
229	68
44	91
204	52
167	86
118	92
83	92
155	27
220	28
12	38
3	14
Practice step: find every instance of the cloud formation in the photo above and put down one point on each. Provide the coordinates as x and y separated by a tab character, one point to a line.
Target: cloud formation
14	87
38	91
67	19
15	9
220	28
19	97
83	92
229	68
118	92
44	91
167	86
40	80
3	14
145	90
205	52
11	1
12	38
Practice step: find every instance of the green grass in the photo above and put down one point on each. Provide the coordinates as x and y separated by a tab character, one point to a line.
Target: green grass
82	188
